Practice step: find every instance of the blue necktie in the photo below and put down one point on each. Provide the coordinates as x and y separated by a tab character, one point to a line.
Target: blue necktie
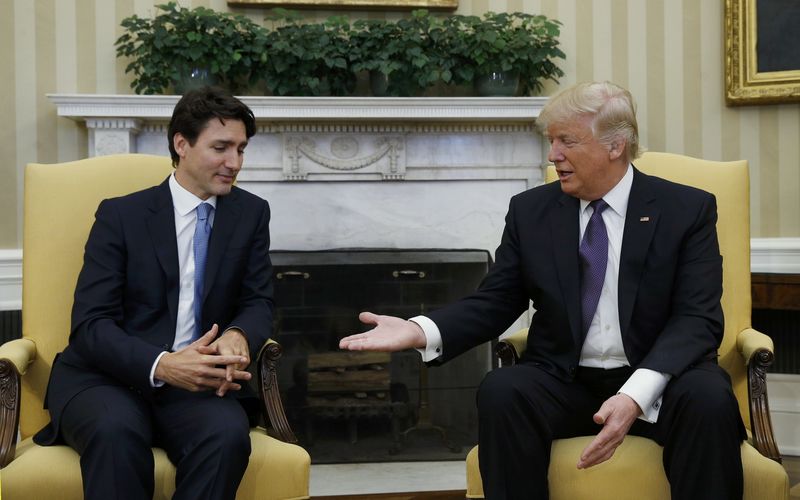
202	231
594	259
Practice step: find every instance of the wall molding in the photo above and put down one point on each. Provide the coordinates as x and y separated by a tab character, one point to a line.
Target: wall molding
767	255
10	279
775	255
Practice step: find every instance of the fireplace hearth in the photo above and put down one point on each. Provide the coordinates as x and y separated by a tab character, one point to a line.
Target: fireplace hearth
362	407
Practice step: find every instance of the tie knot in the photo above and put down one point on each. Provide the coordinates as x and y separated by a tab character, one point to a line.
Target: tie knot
598	205
204	209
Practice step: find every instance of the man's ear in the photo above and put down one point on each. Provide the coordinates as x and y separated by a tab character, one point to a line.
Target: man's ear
617	149
180	144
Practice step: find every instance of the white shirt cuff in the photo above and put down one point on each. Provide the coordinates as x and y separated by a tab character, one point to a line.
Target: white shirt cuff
433	338
646	387
153	381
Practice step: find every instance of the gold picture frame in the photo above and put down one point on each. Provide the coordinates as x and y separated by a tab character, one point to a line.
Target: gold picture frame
744	83
352	4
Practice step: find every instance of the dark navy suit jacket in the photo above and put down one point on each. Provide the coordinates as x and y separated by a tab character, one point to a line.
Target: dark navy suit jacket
670	280
126	298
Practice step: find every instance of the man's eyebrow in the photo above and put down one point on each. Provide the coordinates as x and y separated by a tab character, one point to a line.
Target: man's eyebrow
228	142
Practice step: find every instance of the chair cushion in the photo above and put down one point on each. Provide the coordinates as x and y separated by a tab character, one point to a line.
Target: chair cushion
634	472
270	459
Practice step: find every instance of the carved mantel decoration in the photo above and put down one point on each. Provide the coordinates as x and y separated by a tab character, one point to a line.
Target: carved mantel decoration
328	150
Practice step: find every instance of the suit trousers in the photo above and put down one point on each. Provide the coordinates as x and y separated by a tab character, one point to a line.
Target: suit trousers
523	408
113	429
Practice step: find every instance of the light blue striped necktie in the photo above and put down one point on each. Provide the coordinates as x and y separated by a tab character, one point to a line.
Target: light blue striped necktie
202	231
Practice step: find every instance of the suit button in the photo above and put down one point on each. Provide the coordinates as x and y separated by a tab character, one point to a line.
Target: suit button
165	347
571	370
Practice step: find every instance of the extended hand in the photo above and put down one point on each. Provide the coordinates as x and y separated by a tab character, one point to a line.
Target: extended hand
389	335
195	369
616	415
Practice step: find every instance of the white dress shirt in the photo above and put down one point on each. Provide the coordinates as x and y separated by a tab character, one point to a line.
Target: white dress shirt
602	347
184	204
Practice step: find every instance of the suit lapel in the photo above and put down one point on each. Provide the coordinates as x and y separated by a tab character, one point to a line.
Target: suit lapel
225	217
161	226
640	224
564	228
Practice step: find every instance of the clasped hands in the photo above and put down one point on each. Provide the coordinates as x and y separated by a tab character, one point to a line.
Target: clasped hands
208	363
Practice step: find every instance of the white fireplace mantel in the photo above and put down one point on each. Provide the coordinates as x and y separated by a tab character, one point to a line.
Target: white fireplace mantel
365	136
358	171
486	109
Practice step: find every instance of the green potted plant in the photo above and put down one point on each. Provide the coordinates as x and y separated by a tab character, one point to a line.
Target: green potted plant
308	58
403	58
181	48
506	48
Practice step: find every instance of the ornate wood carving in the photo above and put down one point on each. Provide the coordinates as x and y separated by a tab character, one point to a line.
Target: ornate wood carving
305	154
760	421
270	395
9	410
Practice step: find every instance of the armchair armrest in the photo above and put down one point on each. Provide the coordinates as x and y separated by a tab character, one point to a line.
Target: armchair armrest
15	356
750	341
268	391
509	349
757	351
20	352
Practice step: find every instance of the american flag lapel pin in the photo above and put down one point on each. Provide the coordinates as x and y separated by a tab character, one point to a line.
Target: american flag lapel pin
644	219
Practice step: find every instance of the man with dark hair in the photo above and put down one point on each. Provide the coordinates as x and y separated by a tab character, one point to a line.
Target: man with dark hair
625	276
195	109
174	297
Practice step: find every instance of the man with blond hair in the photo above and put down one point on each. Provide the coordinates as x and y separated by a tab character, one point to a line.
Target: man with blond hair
625	276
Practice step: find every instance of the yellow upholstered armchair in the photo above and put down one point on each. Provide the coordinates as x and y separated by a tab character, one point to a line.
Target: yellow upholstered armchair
635	471
60	202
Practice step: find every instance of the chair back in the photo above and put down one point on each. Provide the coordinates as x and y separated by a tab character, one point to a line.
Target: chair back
59	207
730	183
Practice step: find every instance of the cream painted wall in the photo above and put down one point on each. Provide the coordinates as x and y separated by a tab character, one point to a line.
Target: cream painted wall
668	52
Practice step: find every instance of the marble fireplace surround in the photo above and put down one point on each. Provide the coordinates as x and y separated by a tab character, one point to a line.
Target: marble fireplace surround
358	171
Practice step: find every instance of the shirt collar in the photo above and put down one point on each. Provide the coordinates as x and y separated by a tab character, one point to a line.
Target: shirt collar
617	198
184	201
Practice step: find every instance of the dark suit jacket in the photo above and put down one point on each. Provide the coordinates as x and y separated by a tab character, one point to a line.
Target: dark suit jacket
126	298
670	280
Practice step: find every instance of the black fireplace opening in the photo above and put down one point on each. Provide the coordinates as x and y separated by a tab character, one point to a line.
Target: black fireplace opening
374	407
